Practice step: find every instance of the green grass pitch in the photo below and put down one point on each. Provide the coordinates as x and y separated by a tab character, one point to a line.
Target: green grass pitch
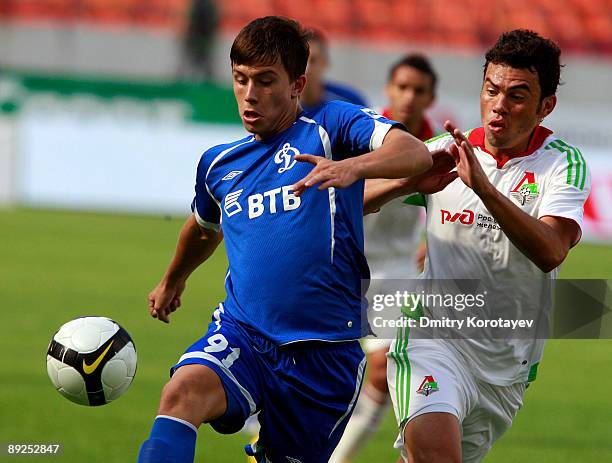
55	266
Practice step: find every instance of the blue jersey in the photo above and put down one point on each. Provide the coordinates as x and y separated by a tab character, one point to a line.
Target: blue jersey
295	263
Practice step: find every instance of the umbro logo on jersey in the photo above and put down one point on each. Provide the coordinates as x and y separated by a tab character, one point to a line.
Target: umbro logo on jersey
232	174
370	112
231	204
428	386
466	217
284	156
526	189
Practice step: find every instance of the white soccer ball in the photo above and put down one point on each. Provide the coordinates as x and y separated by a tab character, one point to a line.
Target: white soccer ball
91	360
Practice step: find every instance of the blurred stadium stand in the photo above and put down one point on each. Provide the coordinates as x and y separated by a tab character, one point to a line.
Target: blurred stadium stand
117	77
579	26
158	15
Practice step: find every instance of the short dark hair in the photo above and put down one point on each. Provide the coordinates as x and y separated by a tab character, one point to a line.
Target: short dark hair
525	49
266	40
418	62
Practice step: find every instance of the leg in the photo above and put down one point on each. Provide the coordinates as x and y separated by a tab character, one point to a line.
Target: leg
432	392
194	394
371	407
433	437
212	382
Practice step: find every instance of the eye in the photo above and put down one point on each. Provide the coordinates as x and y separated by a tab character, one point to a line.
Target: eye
491	91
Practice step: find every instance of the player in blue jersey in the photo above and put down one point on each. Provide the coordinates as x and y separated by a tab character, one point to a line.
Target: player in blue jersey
320	90
284	341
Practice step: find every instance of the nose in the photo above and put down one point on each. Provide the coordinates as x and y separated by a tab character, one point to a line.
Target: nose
251	93
409	96
500	104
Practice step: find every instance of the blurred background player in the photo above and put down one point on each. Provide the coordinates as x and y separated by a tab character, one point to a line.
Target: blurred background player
318	89
199	40
392	244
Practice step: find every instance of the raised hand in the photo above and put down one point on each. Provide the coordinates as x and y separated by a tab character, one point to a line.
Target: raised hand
468	167
328	173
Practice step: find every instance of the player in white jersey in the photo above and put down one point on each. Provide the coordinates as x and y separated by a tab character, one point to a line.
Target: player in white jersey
508	221
392	245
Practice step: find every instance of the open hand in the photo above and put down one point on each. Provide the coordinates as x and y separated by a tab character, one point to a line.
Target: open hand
468	167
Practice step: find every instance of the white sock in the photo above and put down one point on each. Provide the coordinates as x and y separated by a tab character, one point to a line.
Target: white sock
371	407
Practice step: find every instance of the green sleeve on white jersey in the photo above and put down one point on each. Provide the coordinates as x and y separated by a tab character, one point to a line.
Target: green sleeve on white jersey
416	199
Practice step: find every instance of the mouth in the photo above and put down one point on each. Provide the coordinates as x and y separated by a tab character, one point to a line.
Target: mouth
249	116
496	125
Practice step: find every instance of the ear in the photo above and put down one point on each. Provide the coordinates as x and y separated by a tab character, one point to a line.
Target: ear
298	86
547	105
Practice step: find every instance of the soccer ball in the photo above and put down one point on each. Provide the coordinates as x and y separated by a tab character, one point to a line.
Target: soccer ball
91	360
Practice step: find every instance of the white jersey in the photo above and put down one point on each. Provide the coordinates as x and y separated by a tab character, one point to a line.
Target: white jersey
392	238
393	234
465	242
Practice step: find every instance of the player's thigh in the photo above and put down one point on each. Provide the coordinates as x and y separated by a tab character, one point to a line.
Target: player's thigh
427	378
311	401
226	351
377	368
490	419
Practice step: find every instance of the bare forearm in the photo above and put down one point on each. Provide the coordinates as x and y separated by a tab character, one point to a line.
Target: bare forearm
401	155
378	192
193	248
533	237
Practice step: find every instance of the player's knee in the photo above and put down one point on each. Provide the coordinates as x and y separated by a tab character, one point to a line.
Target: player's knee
425	446
430	454
195	394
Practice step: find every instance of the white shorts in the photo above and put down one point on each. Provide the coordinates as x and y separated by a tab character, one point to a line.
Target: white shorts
426	376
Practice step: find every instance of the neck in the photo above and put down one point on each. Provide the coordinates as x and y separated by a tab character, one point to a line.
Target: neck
503	153
283	123
414	127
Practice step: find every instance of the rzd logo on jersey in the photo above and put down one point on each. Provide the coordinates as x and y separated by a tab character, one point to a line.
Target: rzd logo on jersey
525	190
466	217
284	156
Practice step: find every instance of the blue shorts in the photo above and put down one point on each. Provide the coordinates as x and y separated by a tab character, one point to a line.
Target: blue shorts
304	392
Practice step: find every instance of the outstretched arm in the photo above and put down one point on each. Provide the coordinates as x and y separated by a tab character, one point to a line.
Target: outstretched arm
380	191
195	245
400	155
